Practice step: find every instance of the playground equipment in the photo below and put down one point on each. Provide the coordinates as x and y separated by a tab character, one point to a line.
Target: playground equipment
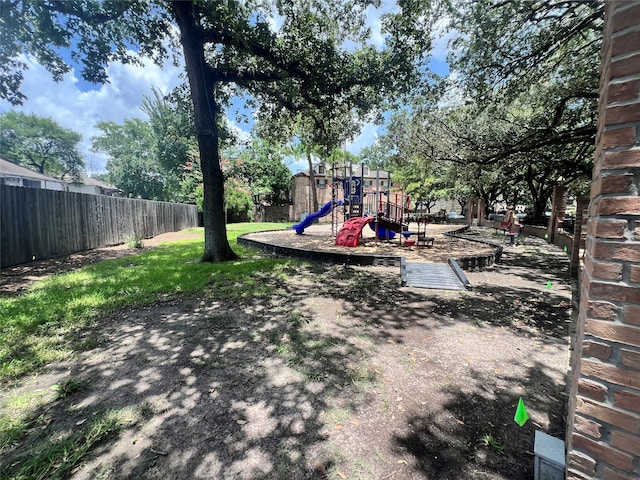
349	234
423	239
309	219
381	232
389	211
390	219
394	215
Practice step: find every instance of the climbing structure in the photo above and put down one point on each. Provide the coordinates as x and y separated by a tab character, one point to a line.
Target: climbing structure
349	234
423	239
336	185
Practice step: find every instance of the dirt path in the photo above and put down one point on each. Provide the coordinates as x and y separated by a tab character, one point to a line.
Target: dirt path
340	374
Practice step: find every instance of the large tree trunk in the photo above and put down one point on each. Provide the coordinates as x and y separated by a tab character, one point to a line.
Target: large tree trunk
312	182
206	110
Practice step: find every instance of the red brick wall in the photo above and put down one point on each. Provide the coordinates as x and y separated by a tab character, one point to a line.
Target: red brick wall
603	438
559	208
301	196
579	234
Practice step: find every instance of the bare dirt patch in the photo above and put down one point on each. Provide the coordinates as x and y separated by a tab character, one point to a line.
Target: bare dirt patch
341	373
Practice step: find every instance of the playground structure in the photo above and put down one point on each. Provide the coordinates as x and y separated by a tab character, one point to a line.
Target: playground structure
391	218
386	213
393	215
349	234
311	218
422	239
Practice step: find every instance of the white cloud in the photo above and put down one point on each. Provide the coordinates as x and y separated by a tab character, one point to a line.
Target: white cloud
242	136
367	137
441	38
79	110
374	22
275	21
454	93
297	164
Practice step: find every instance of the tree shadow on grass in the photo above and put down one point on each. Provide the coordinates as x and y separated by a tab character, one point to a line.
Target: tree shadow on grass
234	393
250	388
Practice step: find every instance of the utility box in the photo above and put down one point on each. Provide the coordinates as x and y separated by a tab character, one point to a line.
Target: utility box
550	457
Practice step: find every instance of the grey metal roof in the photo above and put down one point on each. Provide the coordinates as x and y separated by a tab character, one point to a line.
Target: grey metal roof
95	182
9	169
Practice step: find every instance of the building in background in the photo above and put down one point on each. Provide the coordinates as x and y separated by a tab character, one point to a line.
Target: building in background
325	178
93	187
18	176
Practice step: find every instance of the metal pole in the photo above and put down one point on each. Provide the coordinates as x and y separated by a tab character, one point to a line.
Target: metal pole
350	180
361	188
334	214
377	191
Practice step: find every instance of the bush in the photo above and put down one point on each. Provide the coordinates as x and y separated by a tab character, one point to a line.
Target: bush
134	240
239	206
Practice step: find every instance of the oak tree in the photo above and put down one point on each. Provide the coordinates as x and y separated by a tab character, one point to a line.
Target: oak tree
272	49
132	165
40	144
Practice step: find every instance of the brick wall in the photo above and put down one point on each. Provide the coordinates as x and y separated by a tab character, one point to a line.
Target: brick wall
273	213
603	439
579	234
301	196
559	207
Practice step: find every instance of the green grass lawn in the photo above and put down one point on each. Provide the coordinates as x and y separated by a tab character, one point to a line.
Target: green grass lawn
43	324
46	324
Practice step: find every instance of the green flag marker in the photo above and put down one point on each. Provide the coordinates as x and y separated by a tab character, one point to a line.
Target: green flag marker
546	235
549	285
565	249
521	414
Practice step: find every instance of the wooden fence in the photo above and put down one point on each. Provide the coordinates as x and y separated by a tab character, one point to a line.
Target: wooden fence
36	224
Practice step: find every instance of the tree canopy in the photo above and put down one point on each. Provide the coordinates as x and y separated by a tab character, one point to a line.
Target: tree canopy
40	144
287	52
260	168
174	133
533	65
132	165
520	114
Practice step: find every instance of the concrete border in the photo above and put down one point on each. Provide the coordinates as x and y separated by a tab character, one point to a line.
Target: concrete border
476	262
322	256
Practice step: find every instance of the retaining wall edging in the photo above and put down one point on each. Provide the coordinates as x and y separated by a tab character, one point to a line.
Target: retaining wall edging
471	262
476	262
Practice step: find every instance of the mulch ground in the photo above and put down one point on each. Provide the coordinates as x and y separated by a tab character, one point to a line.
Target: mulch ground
341	373
320	238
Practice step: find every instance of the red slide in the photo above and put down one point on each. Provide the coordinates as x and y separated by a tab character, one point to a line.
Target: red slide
349	234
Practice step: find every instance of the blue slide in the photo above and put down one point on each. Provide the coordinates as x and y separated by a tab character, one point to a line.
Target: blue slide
312	217
382	232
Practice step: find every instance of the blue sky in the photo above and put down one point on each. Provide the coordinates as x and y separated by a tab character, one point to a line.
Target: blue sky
79	105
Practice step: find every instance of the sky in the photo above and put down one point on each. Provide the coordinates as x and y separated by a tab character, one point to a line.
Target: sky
78	105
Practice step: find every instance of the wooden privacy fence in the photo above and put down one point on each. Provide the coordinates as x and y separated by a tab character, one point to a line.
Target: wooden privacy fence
37	224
